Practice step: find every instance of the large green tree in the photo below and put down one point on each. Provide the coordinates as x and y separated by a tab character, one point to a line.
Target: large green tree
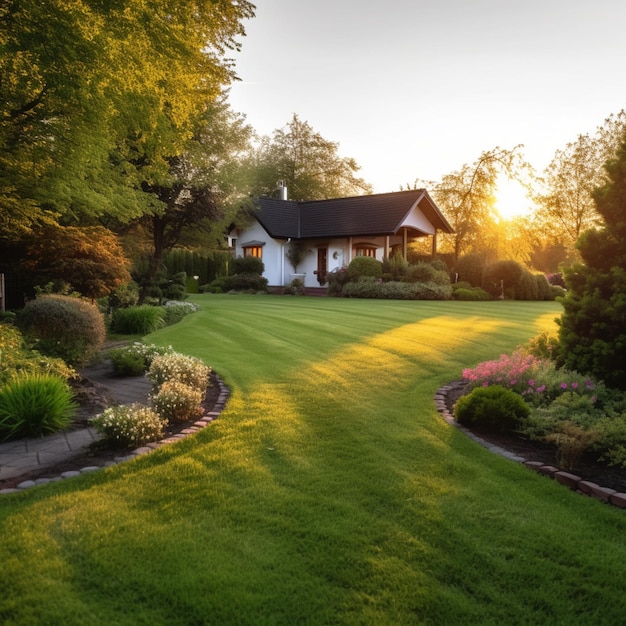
95	97
592	331
309	165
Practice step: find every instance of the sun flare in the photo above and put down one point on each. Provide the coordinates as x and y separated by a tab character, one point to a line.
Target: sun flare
511	199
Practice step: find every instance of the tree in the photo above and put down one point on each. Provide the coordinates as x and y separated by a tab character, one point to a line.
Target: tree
96	96
467	196
308	164
90	260
203	190
592	335
567	206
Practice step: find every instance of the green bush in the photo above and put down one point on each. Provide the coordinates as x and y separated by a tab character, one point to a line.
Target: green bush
174	311
370	288
129	425
493	409
136	358
248	283
137	320
177	402
35	404
184	369
396	266
426	273
64	327
470	294
295	288
248	265
364	266
470	268
16	359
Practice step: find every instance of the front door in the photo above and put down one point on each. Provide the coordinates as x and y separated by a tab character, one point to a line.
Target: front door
322	265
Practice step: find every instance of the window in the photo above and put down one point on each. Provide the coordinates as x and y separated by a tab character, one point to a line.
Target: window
365	249
253	251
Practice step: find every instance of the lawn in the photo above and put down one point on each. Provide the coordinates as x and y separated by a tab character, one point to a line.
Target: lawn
330	491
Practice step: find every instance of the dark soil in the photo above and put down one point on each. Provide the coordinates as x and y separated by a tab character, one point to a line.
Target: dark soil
93	399
588	468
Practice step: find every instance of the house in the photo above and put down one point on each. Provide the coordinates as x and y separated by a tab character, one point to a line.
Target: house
330	233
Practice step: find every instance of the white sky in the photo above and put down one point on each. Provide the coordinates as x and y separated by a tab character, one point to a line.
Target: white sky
415	89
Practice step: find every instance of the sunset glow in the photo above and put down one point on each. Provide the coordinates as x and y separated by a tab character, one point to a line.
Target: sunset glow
511	199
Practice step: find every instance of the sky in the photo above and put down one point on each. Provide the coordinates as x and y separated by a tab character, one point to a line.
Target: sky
414	89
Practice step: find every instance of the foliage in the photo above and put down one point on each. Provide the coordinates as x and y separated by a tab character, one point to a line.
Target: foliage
501	278
181	368
175	311
177	402
493	408
137	320
136	358
336	281
364	266
248	265
308	164
16	358
90	259
470	294
96	97
296	253
426	273
129	425
592	334
245	283
396	266
571	441
68	328
368	287
206	265
34	404
295	288
467	196
471	267
124	296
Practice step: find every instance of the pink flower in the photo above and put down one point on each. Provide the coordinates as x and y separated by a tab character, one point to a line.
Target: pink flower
541	389
563	385
531	382
574	385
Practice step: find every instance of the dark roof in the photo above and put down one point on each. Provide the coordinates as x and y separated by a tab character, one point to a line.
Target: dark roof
378	214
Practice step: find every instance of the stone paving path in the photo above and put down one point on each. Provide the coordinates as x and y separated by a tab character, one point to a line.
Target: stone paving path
24	455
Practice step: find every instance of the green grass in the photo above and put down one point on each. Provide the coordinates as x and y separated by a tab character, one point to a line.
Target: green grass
329	492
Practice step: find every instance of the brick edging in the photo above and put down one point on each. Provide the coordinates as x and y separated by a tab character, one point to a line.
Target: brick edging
206	419
572	481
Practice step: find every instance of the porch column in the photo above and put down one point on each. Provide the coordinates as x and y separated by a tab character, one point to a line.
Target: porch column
386	253
349	250
434	249
405	241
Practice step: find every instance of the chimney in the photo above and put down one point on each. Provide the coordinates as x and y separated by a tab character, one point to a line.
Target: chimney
282	190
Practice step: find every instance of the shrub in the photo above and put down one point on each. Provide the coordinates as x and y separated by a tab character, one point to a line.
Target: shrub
174	311
177	402
502	274
136	358
295	288
336	281
64	327
129	425
137	320
571	441
426	273
470	268
494	409
396	266
368	287
34	404
185	369
16	359
250	283
364	266
248	265
475	294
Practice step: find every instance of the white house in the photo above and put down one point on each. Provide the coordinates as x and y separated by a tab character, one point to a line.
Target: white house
332	232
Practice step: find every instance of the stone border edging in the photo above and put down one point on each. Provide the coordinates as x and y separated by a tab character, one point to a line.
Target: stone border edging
201	423
573	482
